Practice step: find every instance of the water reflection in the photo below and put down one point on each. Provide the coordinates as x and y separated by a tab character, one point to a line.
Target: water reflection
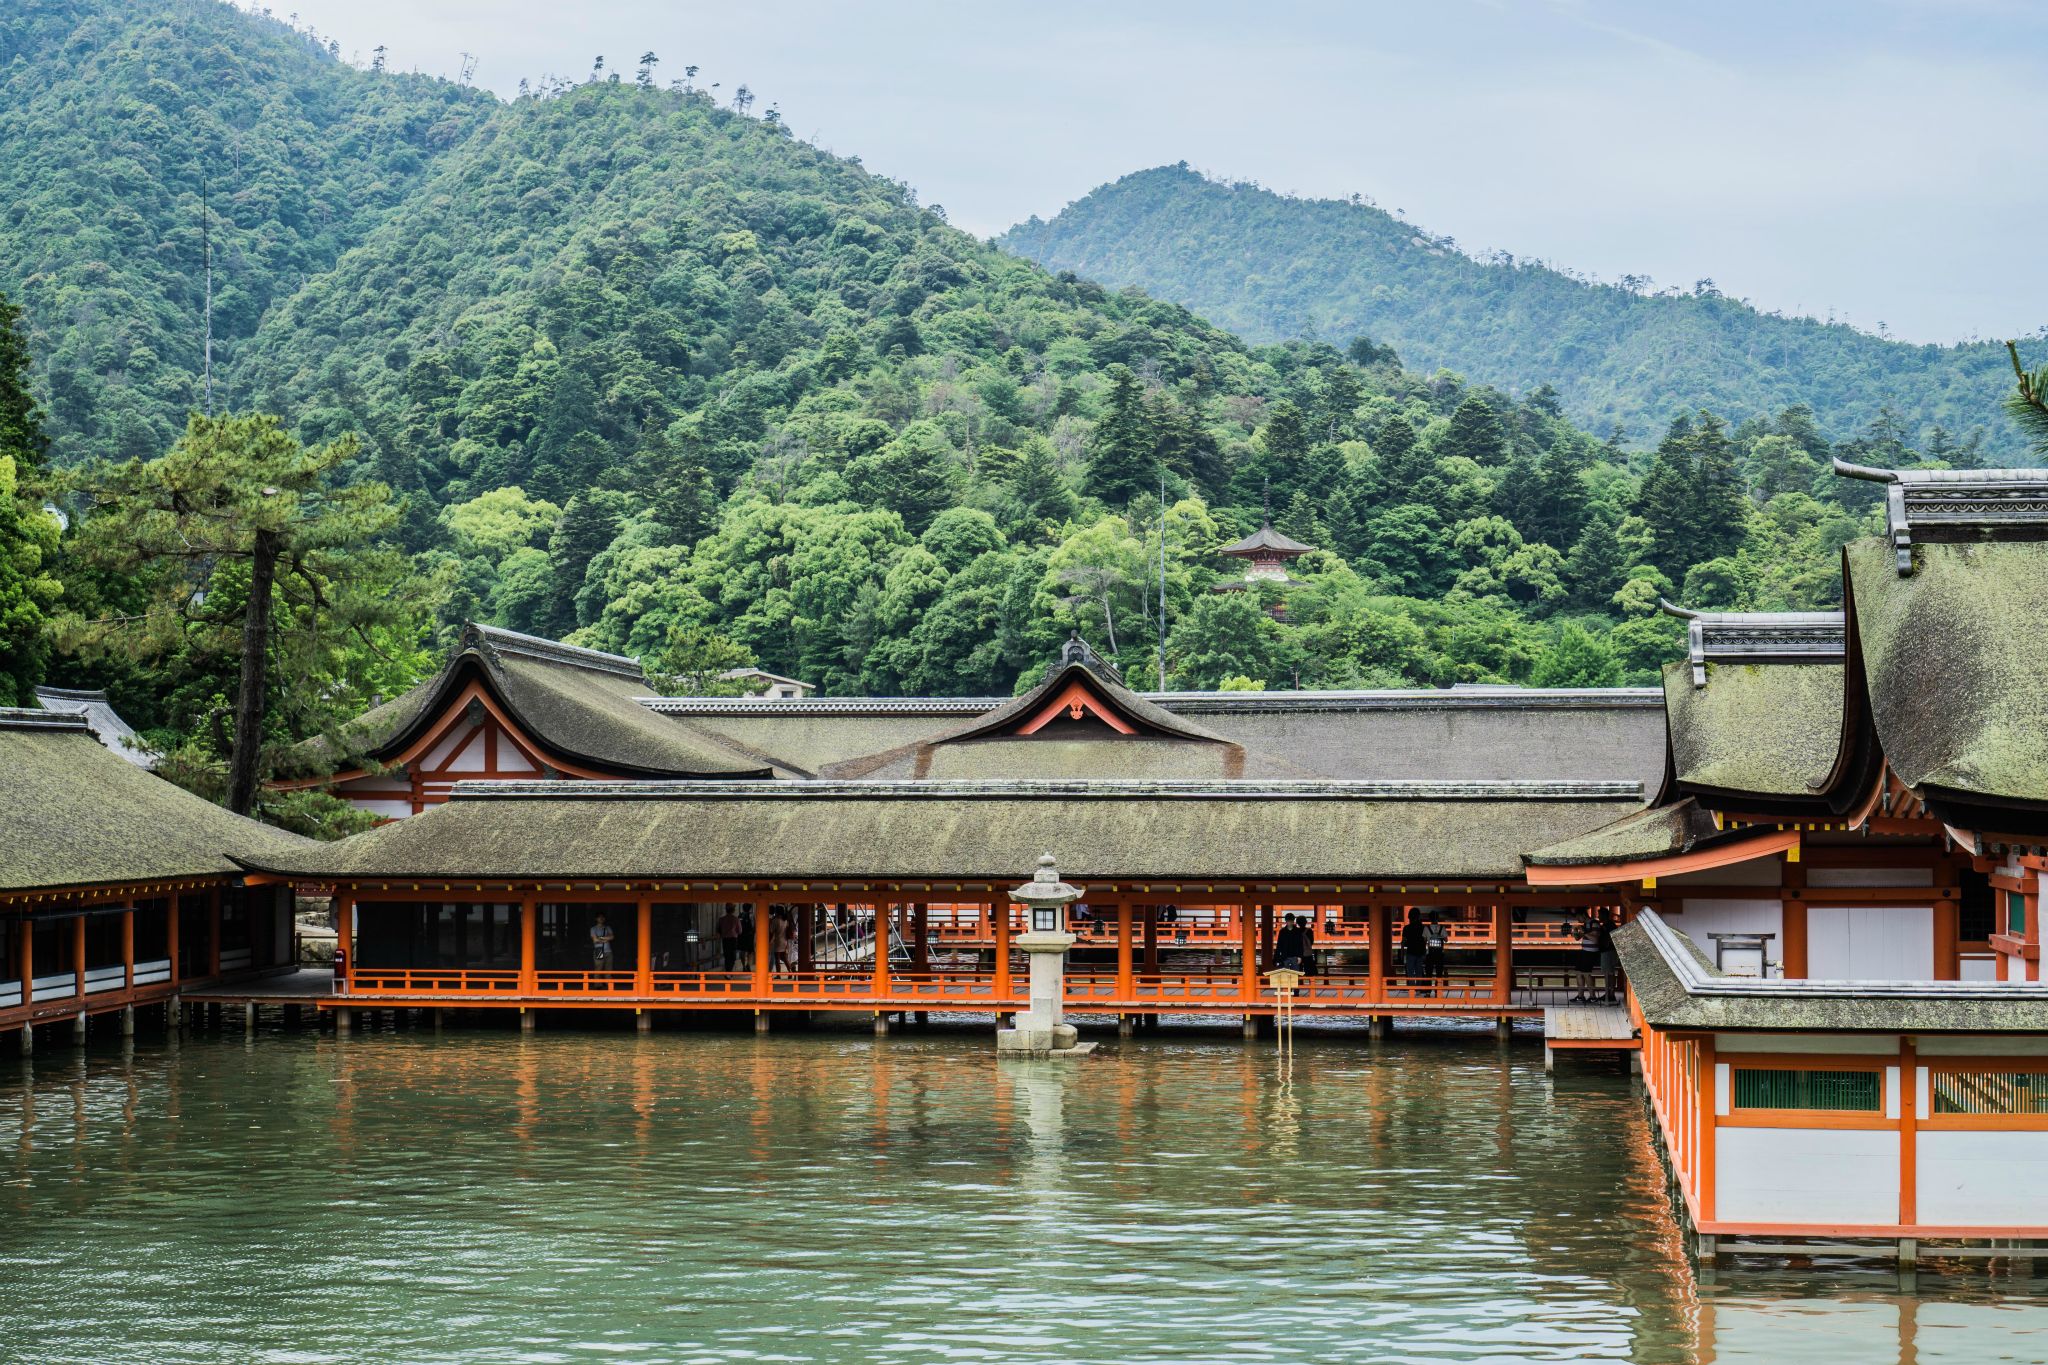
703	1197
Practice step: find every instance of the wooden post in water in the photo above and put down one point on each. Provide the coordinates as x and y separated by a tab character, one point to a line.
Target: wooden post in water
643	947
171	938
529	950
1000	915
128	950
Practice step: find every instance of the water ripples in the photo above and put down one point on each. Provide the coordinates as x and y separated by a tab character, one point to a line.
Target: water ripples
824	1197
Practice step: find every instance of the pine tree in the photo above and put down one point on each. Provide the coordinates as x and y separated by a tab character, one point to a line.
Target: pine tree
21	420
1720	506
1043	498
1400	458
1123	456
1665	500
1475	433
589	523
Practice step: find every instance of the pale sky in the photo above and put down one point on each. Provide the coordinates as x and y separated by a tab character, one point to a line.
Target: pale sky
1874	160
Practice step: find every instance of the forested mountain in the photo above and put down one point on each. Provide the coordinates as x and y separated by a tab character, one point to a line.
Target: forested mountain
1273	267
616	363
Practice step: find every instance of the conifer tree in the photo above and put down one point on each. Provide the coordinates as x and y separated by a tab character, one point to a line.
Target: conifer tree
21	419
1475	433
238	505
1123	458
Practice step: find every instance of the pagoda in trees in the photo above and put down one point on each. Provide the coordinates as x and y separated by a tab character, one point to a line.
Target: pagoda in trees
1266	554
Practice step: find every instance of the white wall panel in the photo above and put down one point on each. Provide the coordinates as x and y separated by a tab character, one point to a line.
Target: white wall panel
1851	1044
1983	1179
1983	1045
1703	917
1870	942
1847	1176
470	760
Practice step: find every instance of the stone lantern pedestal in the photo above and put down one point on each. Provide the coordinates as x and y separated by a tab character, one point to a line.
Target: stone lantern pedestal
1041	1029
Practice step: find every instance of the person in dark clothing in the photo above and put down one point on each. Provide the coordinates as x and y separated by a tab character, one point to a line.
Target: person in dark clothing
1308	945
729	938
1603	942
1414	942
1435	939
1289	944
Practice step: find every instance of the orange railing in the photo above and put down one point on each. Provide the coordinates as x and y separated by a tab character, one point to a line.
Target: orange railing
969	988
1218	926
432	981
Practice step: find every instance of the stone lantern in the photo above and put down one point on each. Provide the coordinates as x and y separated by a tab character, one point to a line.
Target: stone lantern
1040	1030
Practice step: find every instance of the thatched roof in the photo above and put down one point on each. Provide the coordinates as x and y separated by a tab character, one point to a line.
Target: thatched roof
1678	988
74	814
970	831
1953	658
581	704
102	719
1660	832
1754	729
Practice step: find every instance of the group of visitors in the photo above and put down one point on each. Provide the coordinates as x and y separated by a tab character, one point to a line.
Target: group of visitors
1294	944
1424	942
735	929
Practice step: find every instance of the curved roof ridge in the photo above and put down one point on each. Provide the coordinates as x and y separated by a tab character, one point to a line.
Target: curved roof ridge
940	788
1269	540
500	640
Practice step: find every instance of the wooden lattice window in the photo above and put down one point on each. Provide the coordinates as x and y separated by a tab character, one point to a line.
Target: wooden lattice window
1849	1092
1989	1092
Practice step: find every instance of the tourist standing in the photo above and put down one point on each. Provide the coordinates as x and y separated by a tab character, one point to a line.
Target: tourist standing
1414	944
729	928
1287	945
1436	939
601	944
778	940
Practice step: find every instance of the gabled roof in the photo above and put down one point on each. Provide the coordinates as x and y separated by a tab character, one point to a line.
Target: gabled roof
103	720
1229	831
1758	637
1950	667
1266	540
580	704
1933	506
1662	841
1080	722
74	814
1759	734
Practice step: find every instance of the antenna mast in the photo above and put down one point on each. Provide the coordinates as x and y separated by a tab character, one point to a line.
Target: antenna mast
206	244
1162	581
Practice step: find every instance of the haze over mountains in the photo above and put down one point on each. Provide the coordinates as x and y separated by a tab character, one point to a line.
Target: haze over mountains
639	366
1271	267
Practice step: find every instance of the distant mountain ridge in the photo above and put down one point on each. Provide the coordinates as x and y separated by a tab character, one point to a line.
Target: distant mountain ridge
1271	267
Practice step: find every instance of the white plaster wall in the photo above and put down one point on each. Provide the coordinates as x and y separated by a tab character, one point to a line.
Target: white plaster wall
470	760
1870	876
393	809
510	760
1870	942
1979	969
438	756
1847	1176
1983	1179
1848	1044
1700	918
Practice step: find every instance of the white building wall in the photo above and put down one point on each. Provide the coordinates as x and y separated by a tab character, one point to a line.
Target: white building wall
1700	918
1842	1176
1870	942
1870	876
1993	1178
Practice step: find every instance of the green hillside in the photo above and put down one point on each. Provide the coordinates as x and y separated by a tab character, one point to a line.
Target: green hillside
652	374
1273	267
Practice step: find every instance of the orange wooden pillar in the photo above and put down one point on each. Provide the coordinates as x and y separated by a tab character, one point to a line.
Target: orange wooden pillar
78	957
529	945
1703	1122
1793	965
1909	1131
1379	948
1000	914
213	932
1503	955
1248	943
1125	986
761	962
171	936
128	949
1948	948
28	960
882	914
643	946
